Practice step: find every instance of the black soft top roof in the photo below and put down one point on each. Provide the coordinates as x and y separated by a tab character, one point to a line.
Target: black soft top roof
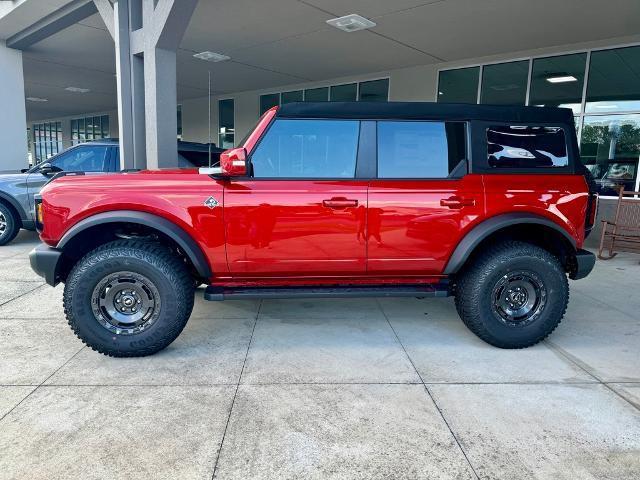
425	111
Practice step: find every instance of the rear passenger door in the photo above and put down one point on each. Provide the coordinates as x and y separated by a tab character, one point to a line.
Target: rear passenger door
422	198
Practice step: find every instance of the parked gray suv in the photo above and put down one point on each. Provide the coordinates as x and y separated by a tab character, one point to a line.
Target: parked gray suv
98	156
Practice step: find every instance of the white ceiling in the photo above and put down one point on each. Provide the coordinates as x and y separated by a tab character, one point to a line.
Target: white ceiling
280	42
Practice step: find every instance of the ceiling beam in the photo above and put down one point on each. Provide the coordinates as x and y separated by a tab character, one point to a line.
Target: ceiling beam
64	17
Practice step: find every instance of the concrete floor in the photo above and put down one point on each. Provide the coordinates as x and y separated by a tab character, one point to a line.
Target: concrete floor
323	389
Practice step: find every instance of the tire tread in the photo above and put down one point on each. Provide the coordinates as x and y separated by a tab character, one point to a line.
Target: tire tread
469	289
154	253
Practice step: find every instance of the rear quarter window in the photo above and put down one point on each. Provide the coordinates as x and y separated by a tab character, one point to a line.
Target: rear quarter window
526	147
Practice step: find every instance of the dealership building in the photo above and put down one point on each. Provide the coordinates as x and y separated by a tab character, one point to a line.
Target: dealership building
142	70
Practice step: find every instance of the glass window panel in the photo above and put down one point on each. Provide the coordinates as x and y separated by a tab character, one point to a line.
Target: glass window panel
74	132
614	81
610	148
82	159
308	149
316	94
526	147
558	81
459	86
344	93
88	122
419	149
106	132
226	135
505	83
375	90
289	97
82	134
179	122
268	101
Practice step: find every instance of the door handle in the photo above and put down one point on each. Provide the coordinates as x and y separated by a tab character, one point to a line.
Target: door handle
339	202
456	202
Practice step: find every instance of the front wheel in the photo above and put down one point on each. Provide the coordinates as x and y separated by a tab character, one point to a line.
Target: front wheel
9	224
129	298
513	295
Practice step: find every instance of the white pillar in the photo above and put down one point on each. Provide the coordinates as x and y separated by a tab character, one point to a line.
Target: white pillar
13	120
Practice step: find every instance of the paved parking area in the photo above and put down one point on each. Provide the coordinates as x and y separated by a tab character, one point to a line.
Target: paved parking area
366	389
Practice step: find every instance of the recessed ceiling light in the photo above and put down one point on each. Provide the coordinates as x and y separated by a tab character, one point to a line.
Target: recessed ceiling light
561	79
37	99
351	23
212	56
77	90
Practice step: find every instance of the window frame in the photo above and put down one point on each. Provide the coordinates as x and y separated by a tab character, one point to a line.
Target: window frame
367	152
468	150
361	150
480	161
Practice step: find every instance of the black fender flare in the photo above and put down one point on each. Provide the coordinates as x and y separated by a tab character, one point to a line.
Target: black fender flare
16	206
481	231
188	245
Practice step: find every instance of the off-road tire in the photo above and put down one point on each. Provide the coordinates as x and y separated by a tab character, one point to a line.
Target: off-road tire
168	274
12	224
476	289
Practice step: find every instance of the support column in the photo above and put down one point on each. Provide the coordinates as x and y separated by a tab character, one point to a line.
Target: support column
13	120
161	107
130	79
147	34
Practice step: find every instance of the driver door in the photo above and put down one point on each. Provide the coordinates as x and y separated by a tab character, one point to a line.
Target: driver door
302	211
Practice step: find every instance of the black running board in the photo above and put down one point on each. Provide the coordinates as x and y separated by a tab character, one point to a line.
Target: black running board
250	293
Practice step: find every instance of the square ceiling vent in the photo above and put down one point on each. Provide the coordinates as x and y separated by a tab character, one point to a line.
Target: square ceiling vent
351	23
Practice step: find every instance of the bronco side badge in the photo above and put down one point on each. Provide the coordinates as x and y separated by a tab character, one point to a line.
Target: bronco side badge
211	202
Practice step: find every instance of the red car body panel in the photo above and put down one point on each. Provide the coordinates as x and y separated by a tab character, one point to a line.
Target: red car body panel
318	232
410	232
291	227
177	196
560	198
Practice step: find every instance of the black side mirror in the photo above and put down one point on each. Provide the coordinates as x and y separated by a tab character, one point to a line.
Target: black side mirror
47	169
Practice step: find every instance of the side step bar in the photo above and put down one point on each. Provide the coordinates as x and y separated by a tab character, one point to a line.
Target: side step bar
245	293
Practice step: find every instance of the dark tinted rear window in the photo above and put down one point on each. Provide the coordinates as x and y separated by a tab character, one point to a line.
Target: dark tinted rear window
526	147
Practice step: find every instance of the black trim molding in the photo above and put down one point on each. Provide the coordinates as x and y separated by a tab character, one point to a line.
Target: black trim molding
171	230
492	225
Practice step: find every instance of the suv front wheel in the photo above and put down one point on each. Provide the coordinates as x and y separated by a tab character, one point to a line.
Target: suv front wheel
129	298
9	224
513	295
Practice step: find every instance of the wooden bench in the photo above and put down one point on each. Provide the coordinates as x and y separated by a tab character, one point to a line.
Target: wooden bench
623	234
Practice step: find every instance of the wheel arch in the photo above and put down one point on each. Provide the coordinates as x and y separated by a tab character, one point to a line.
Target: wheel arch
92	229
518	225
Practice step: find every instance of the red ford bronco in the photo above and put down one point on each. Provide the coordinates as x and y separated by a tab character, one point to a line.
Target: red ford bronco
489	204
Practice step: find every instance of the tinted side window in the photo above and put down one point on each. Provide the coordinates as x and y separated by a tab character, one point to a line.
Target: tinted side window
526	147
85	159
308	149
419	149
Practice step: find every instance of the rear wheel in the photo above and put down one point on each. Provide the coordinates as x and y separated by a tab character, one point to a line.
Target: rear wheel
129	298
9	224
513	295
